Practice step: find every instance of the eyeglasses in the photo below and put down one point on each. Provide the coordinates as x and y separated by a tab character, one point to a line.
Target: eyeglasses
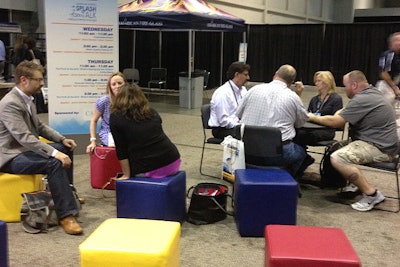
37	79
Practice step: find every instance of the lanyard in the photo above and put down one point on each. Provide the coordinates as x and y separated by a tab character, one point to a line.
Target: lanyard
321	104
234	94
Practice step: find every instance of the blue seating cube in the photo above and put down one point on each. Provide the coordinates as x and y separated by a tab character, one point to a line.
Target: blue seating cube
152	198
3	245
263	197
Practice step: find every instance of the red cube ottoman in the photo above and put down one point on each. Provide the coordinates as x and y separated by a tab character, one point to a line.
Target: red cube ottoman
308	246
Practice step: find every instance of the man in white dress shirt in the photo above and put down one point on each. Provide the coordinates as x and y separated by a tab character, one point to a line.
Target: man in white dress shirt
226	100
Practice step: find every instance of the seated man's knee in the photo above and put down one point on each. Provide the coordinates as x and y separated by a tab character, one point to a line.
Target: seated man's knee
345	157
54	164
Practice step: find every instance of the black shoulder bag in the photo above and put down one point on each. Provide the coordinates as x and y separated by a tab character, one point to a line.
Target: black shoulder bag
207	203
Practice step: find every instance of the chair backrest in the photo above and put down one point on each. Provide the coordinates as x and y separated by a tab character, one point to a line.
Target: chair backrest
387	166
131	75
263	145
205	115
158	74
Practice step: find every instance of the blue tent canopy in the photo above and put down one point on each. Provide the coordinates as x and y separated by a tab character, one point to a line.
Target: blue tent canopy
181	15
177	14
10	27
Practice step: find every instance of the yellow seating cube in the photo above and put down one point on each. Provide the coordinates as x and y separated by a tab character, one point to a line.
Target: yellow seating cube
45	140
11	188
132	242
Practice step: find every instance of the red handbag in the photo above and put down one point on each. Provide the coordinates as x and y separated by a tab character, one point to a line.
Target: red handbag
104	165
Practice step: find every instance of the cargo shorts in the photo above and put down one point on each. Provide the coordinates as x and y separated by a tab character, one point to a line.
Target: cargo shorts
361	152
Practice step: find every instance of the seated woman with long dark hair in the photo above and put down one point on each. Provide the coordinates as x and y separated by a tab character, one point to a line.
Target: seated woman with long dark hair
143	148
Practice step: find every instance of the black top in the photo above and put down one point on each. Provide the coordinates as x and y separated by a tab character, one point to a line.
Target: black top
144	143
328	107
310	134
24	54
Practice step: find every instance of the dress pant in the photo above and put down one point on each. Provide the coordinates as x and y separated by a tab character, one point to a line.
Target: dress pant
58	178
310	137
222	132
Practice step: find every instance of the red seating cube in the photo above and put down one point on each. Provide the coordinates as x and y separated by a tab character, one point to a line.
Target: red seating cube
308	246
104	165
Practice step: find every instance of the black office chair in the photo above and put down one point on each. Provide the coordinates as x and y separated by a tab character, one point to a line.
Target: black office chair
131	75
262	145
392	167
205	115
158	77
341	131
263	148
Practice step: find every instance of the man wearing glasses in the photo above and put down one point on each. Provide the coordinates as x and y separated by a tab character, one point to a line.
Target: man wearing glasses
226	99
21	151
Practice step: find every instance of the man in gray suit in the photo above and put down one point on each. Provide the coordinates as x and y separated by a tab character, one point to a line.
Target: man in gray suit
21	151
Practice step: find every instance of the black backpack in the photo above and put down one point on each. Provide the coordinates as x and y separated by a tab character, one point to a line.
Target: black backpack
330	177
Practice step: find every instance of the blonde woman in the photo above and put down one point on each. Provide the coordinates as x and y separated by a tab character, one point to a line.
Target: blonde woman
326	102
102	110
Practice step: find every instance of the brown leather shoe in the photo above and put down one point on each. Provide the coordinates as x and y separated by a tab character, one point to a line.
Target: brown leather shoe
81	200
71	226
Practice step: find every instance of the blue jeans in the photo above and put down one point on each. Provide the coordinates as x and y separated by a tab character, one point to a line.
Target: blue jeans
59	179
293	157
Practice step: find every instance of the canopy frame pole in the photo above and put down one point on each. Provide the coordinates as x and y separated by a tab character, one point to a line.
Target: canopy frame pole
134	49
190	57
221	58
159	48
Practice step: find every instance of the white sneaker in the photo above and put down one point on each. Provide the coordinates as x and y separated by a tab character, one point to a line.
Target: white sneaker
350	188
368	202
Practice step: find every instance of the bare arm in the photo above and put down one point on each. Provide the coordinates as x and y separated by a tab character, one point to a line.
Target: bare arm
93	125
386	77
333	121
338	111
126	169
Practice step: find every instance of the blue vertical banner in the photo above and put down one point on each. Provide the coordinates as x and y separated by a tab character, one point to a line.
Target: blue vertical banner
82	52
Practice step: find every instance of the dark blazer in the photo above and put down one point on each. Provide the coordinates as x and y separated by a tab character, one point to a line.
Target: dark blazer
19	130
